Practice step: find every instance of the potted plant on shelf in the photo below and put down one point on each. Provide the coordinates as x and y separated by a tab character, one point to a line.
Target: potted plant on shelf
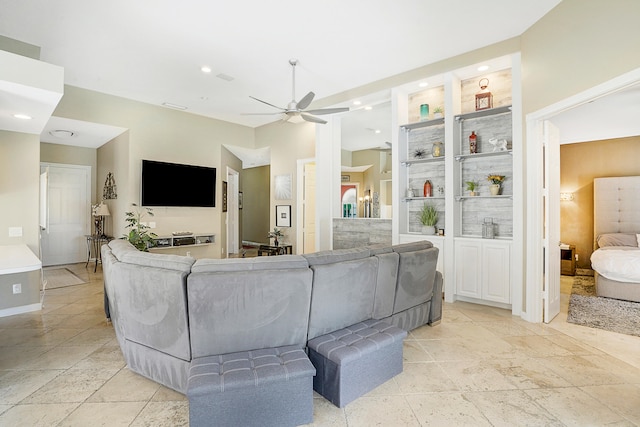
496	183
428	217
139	235
438	113
275	234
471	187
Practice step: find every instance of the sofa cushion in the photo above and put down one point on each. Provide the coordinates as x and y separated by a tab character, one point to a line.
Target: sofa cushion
232	311
343	294
126	252
248	264
416	275
338	255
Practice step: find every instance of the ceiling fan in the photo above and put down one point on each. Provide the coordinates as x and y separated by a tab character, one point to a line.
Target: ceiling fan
295	109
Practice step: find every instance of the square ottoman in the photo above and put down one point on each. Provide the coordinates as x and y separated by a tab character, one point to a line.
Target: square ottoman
355	360
268	387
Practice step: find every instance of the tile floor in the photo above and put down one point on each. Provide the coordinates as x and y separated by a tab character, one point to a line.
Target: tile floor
479	367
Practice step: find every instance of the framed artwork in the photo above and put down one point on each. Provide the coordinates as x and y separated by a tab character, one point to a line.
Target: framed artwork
282	187
239	199
283	215
224	196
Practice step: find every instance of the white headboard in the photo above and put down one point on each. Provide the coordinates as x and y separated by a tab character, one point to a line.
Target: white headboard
616	205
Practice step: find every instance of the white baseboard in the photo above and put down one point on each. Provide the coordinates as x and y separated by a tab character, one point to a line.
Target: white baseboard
21	309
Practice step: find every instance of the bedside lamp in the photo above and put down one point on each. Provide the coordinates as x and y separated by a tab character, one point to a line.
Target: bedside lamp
99	213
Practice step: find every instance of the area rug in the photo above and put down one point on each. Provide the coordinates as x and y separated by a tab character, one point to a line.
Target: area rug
588	309
61	277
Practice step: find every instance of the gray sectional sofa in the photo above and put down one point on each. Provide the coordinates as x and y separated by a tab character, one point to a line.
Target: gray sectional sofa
169	311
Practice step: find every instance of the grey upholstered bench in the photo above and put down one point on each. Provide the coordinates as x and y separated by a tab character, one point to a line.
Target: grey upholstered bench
269	387
353	361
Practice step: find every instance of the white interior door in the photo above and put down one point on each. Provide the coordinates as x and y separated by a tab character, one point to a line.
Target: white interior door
309	209
233	212
551	243
68	214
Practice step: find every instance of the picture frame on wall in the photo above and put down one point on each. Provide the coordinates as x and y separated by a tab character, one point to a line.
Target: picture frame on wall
283	215
239	199
282	184
224	196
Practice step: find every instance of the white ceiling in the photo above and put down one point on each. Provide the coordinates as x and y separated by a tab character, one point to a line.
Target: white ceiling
152	51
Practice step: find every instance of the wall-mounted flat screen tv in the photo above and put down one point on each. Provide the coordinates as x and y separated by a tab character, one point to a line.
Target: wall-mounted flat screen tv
173	184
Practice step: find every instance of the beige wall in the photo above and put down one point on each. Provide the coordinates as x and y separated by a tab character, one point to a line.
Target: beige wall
289	142
157	133
579	165
228	159
256	212
114	158
20	188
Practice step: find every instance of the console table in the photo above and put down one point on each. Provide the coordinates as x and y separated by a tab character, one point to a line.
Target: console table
95	242
275	250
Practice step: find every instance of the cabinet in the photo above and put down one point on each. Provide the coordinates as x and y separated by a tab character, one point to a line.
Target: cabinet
483	270
475	269
173	241
568	260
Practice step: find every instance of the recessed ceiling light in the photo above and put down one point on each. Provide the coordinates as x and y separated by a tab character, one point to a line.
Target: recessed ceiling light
61	133
424	84
378	131
483	68
22	116
368	107
205	69
174	106
357	102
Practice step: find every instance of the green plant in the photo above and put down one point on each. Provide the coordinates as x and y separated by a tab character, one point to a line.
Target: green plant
472	185
275	233
139	235
438	110
428	215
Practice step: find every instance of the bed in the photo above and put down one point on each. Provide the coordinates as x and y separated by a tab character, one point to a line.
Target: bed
616	258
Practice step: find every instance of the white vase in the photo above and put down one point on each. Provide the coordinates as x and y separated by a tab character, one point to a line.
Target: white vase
429	230
494	189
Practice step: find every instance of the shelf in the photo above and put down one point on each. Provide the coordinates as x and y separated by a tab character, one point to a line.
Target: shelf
500	196
173	241
406	199
417	161
483	113
463	157
423	124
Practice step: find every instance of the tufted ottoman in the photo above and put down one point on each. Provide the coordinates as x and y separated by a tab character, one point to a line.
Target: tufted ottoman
268	387
355	360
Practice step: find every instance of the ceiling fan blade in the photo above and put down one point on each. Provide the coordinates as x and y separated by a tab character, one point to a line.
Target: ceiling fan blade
304	102
265	102
310	118
328	110
260	114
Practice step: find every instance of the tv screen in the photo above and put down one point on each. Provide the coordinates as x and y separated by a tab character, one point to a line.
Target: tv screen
173	184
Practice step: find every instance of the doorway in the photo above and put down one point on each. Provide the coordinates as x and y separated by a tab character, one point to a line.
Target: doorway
67	214
543	202
306	207
233	212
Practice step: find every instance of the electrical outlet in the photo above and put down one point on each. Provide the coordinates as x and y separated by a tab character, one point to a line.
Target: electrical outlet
152	224
15	231
17	288
577	257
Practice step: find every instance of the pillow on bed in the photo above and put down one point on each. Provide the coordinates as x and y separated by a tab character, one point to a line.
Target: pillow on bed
617	239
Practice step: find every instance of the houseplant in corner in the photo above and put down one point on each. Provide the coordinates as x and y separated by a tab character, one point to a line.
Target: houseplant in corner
428	217
139	235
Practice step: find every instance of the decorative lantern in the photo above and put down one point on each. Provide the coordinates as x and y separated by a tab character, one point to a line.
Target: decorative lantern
484	99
